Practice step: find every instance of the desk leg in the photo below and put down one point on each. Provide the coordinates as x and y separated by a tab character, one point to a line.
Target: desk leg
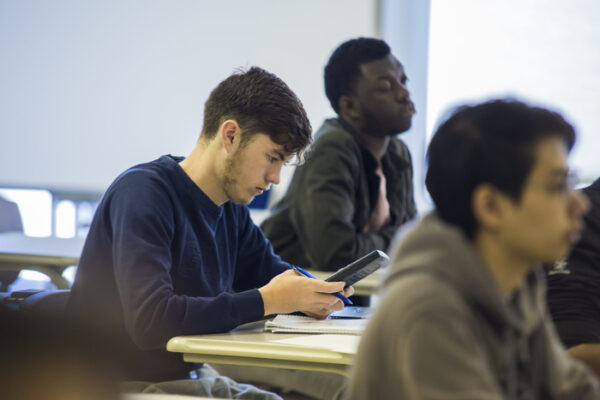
52	271
55	274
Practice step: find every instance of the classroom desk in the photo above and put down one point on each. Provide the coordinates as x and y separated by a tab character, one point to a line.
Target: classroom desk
48	255
250	345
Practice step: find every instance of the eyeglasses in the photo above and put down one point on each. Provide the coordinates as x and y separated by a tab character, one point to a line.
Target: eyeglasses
573	179
566	186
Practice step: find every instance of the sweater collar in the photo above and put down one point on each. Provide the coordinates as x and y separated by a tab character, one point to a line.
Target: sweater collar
193	193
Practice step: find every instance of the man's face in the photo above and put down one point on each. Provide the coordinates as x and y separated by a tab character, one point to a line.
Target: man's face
547	220
382	97
252	168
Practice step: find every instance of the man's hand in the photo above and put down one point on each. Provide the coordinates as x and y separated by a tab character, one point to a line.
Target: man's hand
289	292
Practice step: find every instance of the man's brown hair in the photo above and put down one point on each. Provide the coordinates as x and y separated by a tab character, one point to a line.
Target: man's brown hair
260	102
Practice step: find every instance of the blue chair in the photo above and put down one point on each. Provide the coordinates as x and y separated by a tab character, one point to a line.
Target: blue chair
4	304
50	303
10	221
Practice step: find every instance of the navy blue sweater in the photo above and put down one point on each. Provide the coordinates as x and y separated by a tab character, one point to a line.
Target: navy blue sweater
162	260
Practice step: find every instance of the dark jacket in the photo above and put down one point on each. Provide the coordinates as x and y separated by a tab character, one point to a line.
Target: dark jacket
445	330
319	221
574	284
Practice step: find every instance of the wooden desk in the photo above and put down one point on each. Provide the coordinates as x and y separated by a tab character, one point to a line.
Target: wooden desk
365	287
250	345
48	255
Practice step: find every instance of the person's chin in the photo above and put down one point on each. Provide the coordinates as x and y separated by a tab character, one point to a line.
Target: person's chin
246	201
559	252
401	128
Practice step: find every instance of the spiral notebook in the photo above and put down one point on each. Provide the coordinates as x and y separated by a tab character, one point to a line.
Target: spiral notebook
285	323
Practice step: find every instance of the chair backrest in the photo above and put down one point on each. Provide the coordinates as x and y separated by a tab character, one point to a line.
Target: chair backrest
53	302
50	303
10	221
10	217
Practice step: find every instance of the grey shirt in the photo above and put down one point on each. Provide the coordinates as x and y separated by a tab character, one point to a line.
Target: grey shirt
319	221
445	330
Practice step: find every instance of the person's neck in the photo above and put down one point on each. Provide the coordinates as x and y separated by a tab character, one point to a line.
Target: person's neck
376	145
200	166
508	269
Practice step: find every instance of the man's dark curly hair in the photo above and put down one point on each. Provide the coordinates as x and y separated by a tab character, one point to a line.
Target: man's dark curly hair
343	68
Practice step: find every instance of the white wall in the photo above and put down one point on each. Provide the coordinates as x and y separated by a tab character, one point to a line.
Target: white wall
88	88
546	52
405	27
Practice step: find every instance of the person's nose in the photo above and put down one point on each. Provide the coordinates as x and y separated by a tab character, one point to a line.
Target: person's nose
580	204
274	174
402	92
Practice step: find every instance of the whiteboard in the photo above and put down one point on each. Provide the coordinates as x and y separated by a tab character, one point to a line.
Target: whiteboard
89	88
546	53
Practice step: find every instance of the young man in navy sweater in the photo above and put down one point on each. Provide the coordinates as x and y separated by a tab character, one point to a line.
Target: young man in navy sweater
172	249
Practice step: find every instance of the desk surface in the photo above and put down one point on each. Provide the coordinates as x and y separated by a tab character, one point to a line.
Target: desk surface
49	255
250	345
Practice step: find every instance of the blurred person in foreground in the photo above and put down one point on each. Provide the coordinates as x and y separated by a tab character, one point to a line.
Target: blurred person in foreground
463	313
50	359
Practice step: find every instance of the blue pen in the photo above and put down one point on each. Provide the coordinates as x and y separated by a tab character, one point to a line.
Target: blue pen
308	274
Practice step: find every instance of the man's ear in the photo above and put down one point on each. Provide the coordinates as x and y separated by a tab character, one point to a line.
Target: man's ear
229	134
349	107
488	206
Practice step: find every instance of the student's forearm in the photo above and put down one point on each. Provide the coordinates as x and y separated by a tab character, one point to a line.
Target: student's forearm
589	353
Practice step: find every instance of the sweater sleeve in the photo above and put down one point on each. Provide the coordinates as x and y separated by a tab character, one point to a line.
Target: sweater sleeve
257	263
141	217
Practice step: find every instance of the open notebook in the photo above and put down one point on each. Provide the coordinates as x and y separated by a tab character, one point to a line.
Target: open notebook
284	323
